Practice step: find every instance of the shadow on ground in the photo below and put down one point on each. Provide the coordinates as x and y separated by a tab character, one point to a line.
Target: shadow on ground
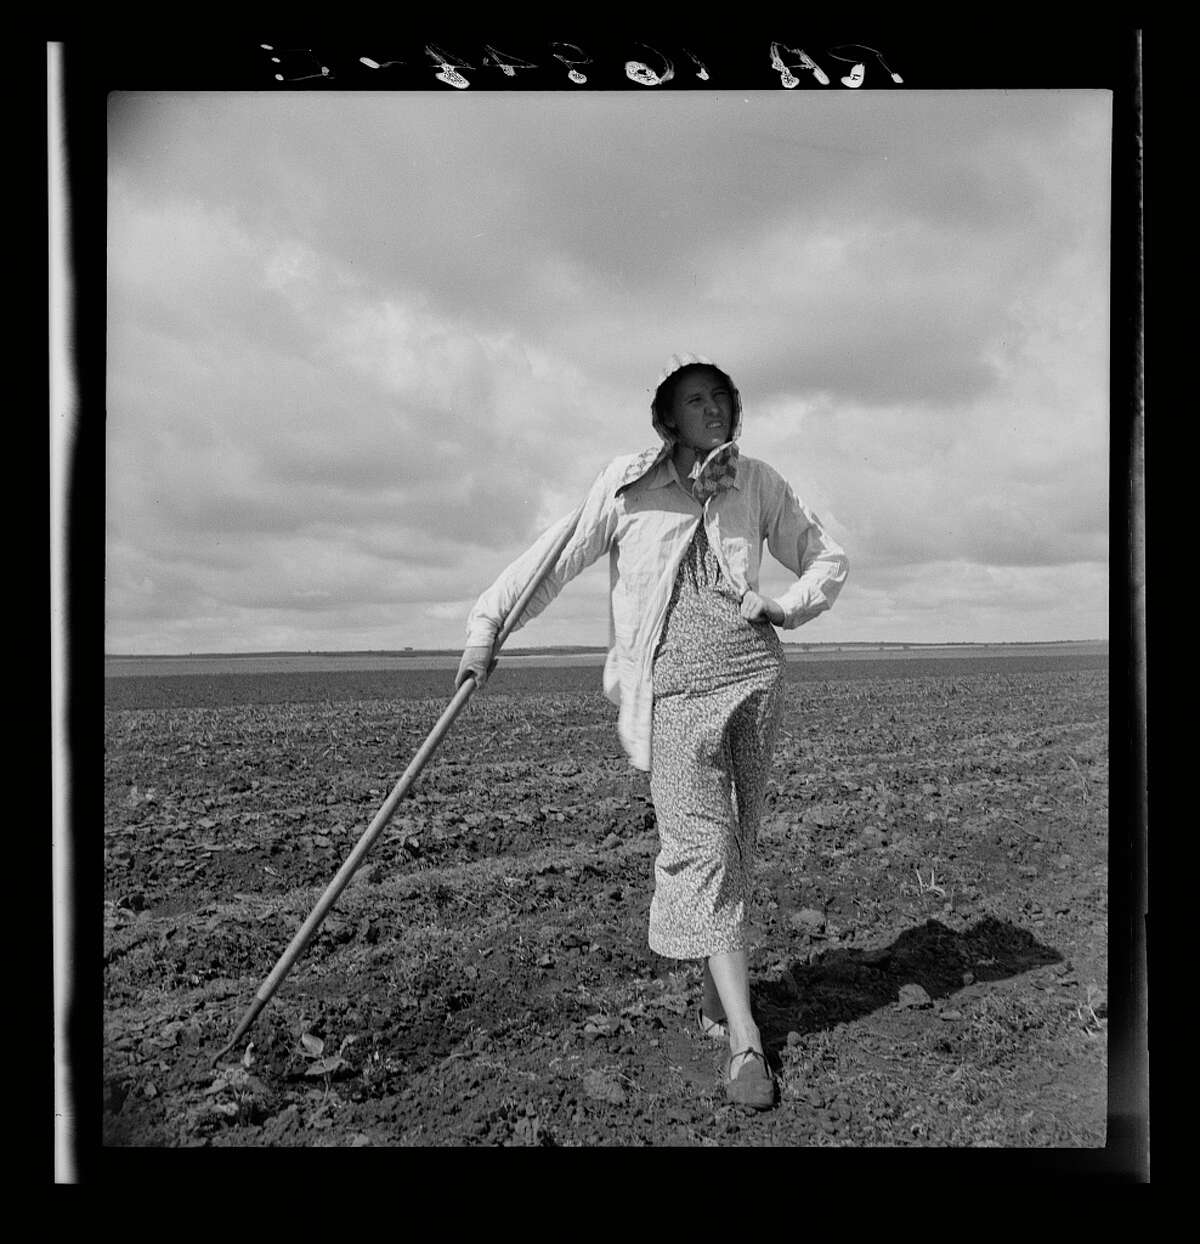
840	985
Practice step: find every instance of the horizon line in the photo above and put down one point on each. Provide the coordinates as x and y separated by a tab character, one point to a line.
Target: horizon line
545	648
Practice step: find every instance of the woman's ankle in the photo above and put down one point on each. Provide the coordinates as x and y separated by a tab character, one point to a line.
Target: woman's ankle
744	1037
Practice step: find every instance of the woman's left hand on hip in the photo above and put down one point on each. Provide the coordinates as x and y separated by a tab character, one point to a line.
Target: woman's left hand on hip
756	608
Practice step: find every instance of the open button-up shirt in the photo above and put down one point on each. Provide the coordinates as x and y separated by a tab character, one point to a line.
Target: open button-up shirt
641	515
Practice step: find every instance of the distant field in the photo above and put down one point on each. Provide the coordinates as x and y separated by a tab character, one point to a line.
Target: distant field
348	662
535	677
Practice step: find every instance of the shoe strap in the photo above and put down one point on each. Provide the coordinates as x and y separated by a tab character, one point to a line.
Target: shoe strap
742	1054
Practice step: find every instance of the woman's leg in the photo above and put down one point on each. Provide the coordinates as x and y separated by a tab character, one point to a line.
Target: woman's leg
730	973
710	1000
751	741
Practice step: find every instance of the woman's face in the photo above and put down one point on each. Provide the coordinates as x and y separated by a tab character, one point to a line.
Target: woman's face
701	411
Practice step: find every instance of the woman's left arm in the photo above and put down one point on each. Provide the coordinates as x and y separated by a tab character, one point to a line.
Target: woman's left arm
796	539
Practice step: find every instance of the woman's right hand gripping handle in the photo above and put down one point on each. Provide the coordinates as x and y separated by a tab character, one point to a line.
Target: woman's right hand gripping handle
477	660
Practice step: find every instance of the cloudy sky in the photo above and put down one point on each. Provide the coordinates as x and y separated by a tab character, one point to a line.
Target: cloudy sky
363	347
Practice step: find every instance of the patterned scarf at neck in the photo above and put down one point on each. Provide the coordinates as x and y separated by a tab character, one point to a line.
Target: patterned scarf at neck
716	473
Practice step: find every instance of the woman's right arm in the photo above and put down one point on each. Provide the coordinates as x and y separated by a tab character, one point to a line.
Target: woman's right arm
592	537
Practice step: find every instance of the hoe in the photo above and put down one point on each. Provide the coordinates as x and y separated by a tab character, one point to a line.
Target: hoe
386	812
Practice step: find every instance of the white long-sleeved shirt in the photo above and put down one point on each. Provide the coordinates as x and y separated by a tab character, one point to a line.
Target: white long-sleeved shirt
639	513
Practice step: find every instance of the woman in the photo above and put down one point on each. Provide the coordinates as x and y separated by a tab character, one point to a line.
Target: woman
694	664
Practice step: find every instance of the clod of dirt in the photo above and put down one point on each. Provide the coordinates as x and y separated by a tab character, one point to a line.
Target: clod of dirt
602	1026
604	1087
914	996
808	919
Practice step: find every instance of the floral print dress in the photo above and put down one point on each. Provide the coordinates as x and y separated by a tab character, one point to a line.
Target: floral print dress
717	703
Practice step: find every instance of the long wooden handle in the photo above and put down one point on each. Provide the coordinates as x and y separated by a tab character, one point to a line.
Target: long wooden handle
388	809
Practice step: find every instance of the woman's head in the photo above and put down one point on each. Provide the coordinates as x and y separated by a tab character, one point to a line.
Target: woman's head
697	404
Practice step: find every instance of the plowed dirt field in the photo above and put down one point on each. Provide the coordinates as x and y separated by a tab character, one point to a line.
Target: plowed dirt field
931	914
